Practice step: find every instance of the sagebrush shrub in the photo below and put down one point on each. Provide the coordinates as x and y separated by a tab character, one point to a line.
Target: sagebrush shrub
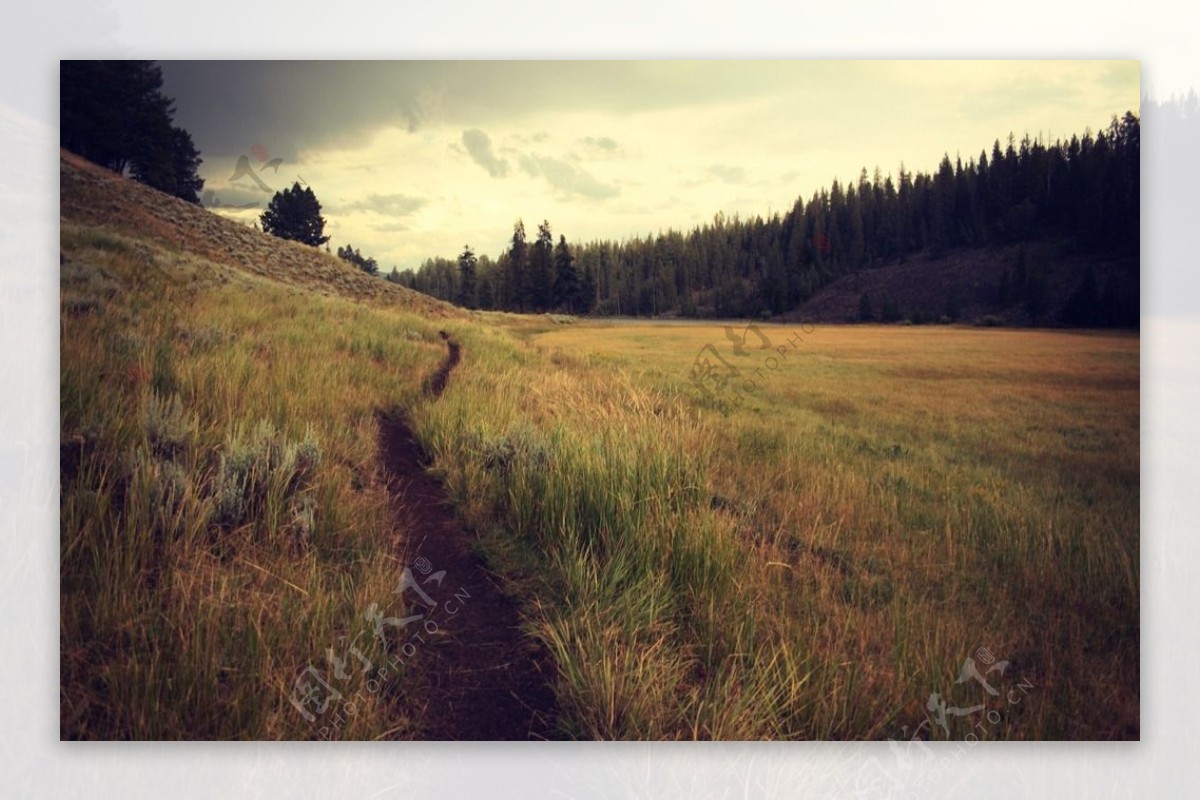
263	476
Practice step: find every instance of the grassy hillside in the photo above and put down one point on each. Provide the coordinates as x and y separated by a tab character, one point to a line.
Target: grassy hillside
223	516
96	197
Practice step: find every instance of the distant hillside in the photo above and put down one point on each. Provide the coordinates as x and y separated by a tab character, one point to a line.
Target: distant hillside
92	195
981	284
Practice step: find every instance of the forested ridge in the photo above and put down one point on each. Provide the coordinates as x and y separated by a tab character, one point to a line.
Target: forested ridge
1082	194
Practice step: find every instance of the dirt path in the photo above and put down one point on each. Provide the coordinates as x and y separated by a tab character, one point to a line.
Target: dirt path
478	677
436	383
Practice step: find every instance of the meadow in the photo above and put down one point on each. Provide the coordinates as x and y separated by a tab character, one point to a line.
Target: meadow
812	562
885	504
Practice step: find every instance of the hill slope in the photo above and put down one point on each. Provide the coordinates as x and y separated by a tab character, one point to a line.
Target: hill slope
94	196
224	517
966	285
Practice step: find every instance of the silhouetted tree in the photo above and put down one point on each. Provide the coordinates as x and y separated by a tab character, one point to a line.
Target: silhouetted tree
295	214
466	272
1034	299
566	278
351	254
115	114
518	254
865	312
1083	306
891	310
541	257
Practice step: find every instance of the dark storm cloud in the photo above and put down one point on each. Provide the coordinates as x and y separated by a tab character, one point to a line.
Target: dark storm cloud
289	106
286	107
479	147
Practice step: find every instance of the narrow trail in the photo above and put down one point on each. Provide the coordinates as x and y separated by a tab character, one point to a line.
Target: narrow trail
435	385
476	675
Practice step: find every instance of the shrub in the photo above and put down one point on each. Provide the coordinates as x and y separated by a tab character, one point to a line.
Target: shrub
263	477
169	431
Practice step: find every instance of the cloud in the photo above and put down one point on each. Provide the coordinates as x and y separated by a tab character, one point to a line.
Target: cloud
479	146
529	164
566	178
730	175
601	142
228	106
395	205
391	228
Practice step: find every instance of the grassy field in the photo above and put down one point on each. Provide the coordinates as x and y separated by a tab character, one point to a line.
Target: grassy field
885	502
812	558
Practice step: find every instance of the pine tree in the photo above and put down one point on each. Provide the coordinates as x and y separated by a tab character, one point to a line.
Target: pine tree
540	273
953	308
1083	307
566	278
865	312
587	291
295	214
115	114
1034	297
517	256
891	310
466	283
367	265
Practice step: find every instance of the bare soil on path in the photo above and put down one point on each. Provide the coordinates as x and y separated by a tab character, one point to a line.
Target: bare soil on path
476	674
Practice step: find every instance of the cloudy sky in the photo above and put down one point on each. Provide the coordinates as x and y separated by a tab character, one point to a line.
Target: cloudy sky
416	159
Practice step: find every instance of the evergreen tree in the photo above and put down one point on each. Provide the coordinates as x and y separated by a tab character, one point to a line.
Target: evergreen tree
566	278
891	310
351	254
115	114
587	291
295	214
1034	296
865	312
953	308
540	273
517	257
1004	292
466	284
1083	307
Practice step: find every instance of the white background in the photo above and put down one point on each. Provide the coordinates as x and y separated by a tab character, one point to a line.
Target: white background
1162	35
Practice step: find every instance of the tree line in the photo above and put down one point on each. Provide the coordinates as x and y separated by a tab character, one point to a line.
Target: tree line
1085	189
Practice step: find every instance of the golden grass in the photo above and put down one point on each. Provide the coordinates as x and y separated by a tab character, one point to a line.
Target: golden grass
888	501
223	519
